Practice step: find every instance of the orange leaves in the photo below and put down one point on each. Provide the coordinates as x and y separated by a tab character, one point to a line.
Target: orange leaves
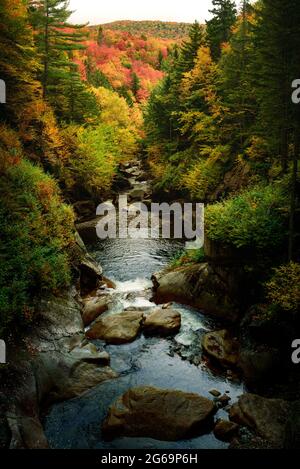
120	54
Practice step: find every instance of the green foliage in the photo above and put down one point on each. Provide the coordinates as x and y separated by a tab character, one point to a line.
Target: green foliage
36	233
252	219
283	290
187	257
95	155
218	29
158	29
190	47
56	41
203	178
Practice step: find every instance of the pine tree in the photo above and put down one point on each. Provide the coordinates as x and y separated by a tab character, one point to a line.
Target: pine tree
277	45
136	84
18	61
100	36
235	84
160	59
189	49
54	38
219	27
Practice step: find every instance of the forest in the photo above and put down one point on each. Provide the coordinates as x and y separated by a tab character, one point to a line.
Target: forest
206	109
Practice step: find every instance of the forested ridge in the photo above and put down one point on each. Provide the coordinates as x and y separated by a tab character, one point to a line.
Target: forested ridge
219	127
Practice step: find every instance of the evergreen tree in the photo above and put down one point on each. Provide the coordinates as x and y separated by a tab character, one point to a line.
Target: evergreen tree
189	49
136	84
94	75
55	37
219	27
235	85
18	60
160	59
277	63
100	36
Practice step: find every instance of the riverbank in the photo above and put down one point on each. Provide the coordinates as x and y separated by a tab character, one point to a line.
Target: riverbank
91	346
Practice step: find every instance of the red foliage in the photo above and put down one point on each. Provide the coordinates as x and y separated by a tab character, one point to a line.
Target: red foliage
121	54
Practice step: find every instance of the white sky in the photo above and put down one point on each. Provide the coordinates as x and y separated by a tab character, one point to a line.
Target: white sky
98	11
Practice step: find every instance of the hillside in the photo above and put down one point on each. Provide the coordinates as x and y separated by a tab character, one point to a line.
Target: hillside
159	29
129	56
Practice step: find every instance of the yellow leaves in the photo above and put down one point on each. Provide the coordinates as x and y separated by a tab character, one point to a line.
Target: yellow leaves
258	149
283	289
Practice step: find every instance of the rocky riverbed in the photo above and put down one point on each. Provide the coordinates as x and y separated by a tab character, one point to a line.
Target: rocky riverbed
147	359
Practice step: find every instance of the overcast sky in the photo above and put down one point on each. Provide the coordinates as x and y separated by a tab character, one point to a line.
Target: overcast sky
98	11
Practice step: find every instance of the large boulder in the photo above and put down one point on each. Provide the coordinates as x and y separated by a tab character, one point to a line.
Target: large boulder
118	328
94	307
166	415
88	230
90	274
64	375
222	347
267	417
197	285
162	322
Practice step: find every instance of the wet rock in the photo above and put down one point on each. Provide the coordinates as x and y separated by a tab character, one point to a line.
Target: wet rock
88	230
62	375
109	283
215	393
90	274
60	324
225	430
196	285
267	417
222	347
162	322
166	415
94	308
224	400
118	328
137	194
22	411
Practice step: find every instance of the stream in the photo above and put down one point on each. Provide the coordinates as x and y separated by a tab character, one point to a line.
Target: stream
147	361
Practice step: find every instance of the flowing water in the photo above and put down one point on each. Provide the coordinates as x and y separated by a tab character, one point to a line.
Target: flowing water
147	361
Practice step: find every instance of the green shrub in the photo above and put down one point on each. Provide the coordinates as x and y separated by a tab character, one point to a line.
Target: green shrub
253	218
187	257
36	231
283	290
95	155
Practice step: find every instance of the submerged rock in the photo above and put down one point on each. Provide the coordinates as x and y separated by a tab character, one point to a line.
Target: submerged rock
166	415
222	347
118	328
267	417
162	322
